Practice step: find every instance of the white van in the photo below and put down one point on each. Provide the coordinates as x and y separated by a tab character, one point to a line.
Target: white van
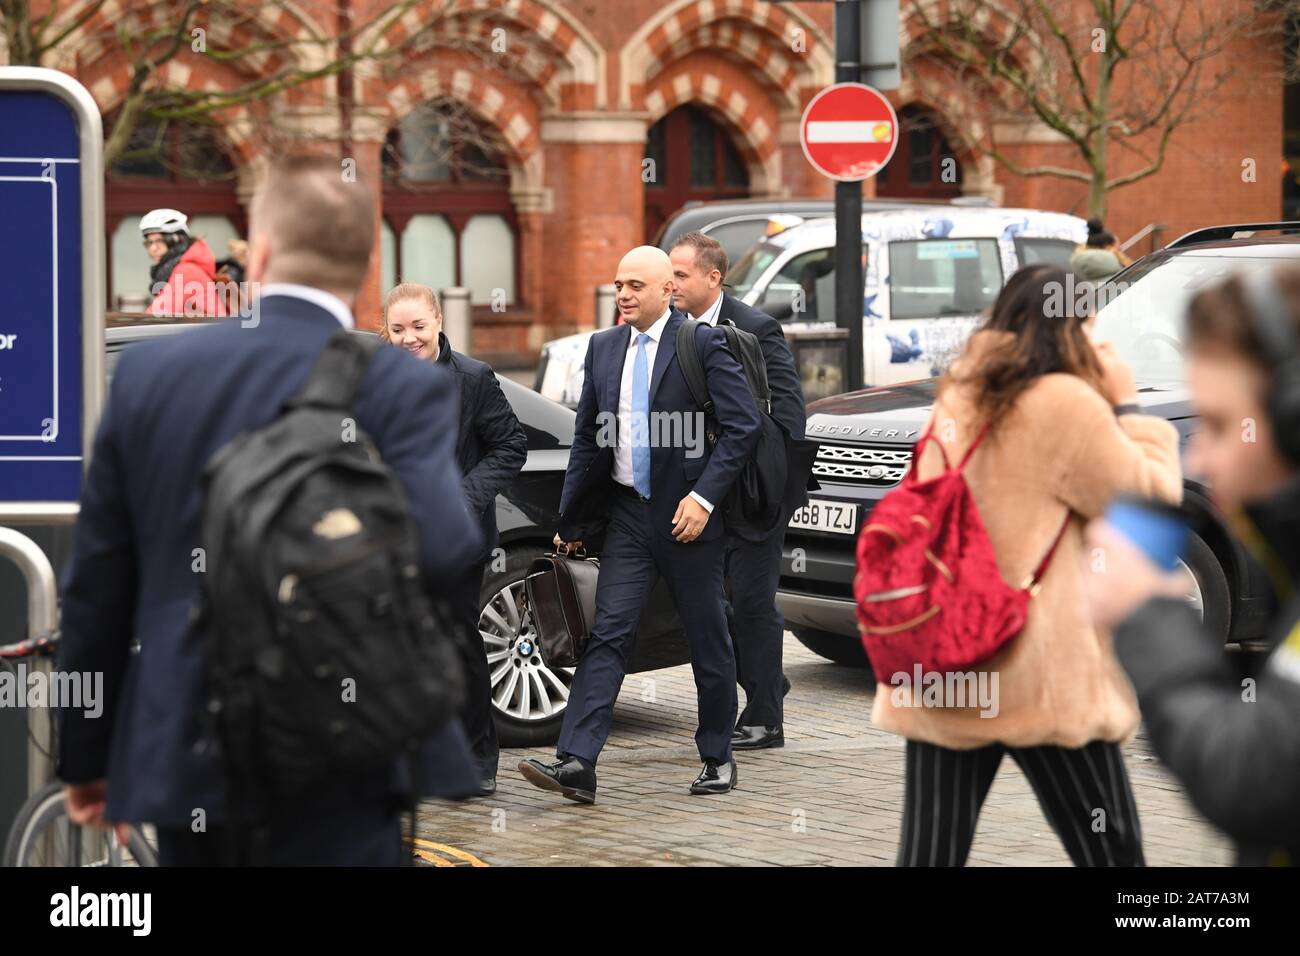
930	274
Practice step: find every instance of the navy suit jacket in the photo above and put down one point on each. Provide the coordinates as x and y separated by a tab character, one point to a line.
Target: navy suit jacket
174	402
675	469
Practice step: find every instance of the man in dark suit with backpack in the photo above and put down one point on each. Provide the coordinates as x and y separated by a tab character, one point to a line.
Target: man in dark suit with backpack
142	557
753	566
655	503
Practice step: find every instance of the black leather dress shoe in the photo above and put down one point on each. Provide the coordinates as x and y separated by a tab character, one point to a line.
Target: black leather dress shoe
567	777
715	777
757	738
487	787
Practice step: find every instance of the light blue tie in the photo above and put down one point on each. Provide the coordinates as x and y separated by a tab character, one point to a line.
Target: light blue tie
641	419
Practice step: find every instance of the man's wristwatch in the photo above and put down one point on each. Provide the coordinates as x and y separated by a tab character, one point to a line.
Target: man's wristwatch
1128	408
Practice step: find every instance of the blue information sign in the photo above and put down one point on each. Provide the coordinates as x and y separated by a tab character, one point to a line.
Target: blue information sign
51	270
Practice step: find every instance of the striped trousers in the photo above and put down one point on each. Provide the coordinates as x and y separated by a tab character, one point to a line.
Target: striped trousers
1084	793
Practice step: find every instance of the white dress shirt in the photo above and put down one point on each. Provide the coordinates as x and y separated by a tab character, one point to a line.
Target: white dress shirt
623	452
711	313
326	300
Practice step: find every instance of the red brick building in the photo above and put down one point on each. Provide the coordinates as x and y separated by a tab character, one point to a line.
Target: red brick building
571	96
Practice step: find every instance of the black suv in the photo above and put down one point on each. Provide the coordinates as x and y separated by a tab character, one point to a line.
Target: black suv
867	439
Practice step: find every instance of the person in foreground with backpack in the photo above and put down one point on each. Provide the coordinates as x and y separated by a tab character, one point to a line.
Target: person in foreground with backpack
491	448
753	568
1048	424
209	729
642	478
1234	745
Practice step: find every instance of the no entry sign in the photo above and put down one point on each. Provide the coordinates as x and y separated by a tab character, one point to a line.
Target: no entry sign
849	131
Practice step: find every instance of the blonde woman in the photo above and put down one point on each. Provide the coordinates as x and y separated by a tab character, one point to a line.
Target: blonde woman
490	449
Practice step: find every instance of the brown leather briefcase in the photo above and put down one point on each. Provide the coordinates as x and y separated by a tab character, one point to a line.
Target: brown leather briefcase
561	594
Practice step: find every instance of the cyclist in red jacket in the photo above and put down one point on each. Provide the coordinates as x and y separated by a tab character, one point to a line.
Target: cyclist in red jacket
184	274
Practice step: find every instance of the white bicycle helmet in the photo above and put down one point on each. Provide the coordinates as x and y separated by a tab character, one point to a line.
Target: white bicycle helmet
165	221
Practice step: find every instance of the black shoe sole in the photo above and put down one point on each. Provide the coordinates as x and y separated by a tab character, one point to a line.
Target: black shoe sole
542	782
769	745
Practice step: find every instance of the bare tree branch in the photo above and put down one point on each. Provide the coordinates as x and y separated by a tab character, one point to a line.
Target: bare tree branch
1062	65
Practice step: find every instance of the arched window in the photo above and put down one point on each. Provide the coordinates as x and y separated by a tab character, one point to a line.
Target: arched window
447	204
693	159
923	166
184	166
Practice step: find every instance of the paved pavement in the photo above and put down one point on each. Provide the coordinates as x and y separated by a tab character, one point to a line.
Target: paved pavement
832	796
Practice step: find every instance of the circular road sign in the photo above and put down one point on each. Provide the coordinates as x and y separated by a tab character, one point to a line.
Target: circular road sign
849	131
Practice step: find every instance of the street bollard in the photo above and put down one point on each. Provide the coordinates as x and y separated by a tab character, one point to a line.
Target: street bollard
456	319
605	305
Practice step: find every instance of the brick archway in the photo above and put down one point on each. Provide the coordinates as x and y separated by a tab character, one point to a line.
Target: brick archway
504	105
780	44
741	104
561	57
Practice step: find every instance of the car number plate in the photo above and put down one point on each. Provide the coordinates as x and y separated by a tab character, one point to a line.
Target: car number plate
834	516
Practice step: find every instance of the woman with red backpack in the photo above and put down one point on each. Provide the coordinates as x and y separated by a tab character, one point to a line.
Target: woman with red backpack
1043	425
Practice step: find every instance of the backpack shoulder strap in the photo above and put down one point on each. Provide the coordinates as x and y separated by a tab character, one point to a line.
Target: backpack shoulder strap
919	447
1034	581
748	351
975	444
688	359
336	377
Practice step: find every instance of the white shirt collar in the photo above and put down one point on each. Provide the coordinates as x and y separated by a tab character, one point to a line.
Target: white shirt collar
655	331
711	313
318	297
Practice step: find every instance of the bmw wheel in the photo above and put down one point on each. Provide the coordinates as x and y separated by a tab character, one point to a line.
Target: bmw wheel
528	695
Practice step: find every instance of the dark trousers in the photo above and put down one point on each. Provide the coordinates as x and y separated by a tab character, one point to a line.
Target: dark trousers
476	714
1084	792
365	835
634	557
757	626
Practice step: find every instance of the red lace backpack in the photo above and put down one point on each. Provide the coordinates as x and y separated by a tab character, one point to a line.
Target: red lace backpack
927	586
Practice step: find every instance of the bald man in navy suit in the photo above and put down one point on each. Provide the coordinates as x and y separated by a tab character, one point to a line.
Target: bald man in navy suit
654	504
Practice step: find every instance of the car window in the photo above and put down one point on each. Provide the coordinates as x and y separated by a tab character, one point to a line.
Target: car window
803	290
1057	252
737	236
743	274
930	278
1142	310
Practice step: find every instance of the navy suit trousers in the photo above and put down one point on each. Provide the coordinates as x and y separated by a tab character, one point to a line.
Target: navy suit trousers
634	557
757	625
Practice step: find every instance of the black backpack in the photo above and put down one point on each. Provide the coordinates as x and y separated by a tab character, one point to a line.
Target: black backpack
327	657
752	510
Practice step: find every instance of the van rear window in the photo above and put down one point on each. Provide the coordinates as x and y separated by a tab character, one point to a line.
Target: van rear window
1054	251
933	278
